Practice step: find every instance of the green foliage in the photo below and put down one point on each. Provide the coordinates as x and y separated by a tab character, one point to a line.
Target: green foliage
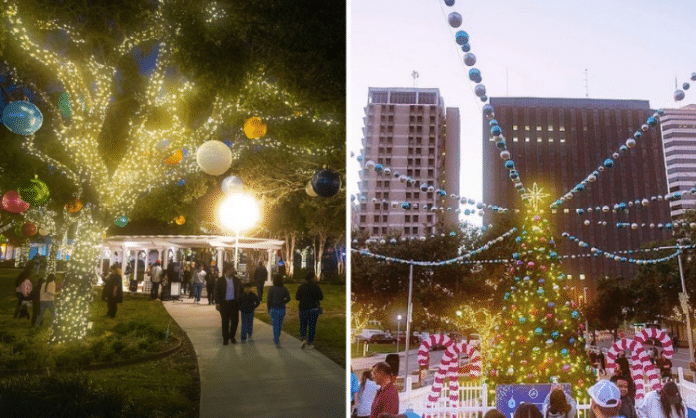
64	396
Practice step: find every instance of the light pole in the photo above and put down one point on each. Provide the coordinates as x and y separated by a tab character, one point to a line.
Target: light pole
238	212
684	300
398	331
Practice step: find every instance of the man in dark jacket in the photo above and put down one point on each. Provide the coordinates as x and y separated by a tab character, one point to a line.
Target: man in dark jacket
260	277
228	292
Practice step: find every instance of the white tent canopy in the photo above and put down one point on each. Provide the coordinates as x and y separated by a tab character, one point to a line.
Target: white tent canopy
164	244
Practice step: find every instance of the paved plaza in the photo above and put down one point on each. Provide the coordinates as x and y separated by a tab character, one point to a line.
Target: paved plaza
256	379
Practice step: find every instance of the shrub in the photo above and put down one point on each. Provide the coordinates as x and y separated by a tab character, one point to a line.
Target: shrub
63	396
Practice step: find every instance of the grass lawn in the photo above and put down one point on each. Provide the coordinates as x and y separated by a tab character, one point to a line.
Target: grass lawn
356	350
330	338
168	387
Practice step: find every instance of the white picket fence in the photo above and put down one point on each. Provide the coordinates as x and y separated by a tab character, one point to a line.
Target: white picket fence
474	401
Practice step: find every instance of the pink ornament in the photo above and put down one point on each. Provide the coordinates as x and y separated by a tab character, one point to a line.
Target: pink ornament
566	367
530	376
12	203
549	315
542	239
524	245
530	265
543	268
537	218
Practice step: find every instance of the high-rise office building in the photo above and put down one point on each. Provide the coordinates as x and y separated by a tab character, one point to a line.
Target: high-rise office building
678	128
410	135
557	143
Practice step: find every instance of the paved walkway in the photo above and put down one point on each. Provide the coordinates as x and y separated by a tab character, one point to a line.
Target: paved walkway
256	379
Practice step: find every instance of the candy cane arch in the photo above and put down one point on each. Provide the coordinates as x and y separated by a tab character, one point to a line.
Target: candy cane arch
425	347
451	356
449	365
639	364
658	334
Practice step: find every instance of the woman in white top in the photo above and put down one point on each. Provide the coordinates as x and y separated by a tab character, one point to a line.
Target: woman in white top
48	291
365	396
663	403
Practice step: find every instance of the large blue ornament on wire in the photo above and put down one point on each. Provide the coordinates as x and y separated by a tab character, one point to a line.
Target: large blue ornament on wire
22	118
121	221
326	183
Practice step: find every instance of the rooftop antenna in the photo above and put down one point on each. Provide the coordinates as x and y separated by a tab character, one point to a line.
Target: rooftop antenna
676	85
415	75
587	89
507	82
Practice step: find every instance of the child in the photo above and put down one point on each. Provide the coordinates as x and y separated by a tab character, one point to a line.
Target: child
247	303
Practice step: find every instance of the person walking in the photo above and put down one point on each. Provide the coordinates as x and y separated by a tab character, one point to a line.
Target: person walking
23	288
260	277
664	403
278	296
36	301
113	290
156	279
198	283
248	302
309	294
47	291
212	275
228	289
366	395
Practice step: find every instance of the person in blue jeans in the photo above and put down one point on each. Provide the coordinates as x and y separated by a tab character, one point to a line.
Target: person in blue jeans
247	303
309	294
278	296
199	280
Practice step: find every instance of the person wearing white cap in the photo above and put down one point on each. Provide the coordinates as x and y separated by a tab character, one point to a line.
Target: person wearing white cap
606	399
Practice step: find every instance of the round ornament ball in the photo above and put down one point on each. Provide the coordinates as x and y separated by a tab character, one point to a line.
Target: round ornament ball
175	158
232	184
29	229
469	59
678	96
254	128
326	183
121	221
22	118
12	203
449	3
34	191
411	414
310	191
214	157
74	205
180	220
43	232
480	90
454	19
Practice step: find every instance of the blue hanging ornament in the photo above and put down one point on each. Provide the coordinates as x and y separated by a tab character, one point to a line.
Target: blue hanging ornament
538	331
461	37
651	121
475	75
555	334
496	131
522	320
574	314
326	183
22	117
454	19
679	95
564	352
469	59
449	3
406	205
608	163
466	47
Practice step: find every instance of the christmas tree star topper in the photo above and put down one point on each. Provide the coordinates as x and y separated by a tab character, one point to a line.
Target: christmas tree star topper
535	197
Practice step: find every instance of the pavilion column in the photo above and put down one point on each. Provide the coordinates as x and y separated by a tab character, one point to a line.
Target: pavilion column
165	258
220	258
135	264
124	253
268	267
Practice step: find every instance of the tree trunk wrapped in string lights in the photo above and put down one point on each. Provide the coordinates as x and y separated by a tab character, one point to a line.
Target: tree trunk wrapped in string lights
163	124
540	337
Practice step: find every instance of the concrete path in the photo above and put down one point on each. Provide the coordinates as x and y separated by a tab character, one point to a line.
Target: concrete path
256	379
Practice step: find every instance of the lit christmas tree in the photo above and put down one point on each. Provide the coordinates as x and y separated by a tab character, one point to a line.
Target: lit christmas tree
540	337
161	129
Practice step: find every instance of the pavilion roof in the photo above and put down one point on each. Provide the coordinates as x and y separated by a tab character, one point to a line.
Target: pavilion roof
190	241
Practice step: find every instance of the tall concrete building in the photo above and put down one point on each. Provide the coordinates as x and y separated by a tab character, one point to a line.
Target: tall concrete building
410	135
679	141
557	143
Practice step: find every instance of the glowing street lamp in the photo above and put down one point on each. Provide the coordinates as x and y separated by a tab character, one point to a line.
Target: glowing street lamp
398	331
238	212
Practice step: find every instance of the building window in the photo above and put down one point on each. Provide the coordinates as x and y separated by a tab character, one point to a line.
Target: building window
407	218
375	231
408	195
407	230
363	219
418	173
415	218
415	230
385	218
375	218
431	173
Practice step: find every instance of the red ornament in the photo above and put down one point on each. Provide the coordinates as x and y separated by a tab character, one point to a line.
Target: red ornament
524	245
543	268
12	203
549	315
530	376
542	239
29	229
494	372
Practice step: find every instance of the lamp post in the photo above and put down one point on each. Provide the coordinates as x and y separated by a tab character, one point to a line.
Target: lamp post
684	300
398	331
238	212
